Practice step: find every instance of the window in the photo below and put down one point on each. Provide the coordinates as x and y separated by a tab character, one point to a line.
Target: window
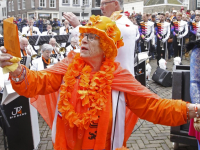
42	3
9	6
198	3
65	1
32	3
23	15
13	6
98	3
85	2
3	11
75	2
52	4
23	4
19	4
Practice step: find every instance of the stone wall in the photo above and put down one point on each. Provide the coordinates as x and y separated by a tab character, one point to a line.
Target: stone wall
161	8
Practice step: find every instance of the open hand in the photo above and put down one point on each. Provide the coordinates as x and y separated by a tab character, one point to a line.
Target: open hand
73	20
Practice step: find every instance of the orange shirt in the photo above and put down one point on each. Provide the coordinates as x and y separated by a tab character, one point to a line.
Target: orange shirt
139	99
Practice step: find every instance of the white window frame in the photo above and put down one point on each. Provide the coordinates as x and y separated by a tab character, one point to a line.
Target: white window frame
198	3
32	3
50	3
23	4
86	2
19	4
5	11
9	6
2	11
65	1
12	6
75	3
44	3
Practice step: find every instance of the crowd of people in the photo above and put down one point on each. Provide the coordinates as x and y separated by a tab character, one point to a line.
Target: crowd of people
168	32
98	82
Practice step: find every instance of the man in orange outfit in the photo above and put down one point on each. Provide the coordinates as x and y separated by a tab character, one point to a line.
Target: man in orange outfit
84	117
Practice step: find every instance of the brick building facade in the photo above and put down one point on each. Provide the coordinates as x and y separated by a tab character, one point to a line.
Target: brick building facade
47	9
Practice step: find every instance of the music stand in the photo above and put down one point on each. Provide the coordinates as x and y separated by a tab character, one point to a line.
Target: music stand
40	40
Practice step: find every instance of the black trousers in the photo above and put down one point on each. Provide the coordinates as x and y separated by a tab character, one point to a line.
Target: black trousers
148	48
177	47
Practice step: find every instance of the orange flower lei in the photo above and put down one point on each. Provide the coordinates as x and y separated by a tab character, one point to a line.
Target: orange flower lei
46	61
93	93
122	148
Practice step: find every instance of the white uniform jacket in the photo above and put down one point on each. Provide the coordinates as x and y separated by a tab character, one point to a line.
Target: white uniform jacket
39	65
27	33
70	48
62	31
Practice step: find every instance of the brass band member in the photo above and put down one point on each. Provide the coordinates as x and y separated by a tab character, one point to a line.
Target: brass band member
65	30
162	32
195	28
56	49
45	60
173	16
73	46
146	30
25	48
49	31
179	29
30	30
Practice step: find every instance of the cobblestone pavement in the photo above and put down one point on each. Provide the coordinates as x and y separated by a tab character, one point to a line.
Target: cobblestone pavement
148	137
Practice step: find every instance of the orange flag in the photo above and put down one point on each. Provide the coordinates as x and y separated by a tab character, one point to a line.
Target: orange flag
11	38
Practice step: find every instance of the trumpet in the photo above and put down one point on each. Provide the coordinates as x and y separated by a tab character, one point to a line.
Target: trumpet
50	32
178	40
197	37
162	44
145	44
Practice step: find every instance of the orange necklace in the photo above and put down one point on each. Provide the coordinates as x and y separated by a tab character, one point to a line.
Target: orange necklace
92	93
45	61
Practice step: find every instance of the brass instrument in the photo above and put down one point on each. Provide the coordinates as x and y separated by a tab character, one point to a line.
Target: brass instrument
49	32
178	40
51	60
33	57
145	44
20	34
62	50
161	44
197	38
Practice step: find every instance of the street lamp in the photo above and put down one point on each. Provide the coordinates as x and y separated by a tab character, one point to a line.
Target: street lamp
83	8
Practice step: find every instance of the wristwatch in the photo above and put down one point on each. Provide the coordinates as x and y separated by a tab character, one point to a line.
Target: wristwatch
15	79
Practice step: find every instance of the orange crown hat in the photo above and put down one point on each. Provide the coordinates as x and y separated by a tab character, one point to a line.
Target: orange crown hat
109	33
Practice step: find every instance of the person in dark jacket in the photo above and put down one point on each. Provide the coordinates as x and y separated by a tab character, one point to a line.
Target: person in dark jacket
40	25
